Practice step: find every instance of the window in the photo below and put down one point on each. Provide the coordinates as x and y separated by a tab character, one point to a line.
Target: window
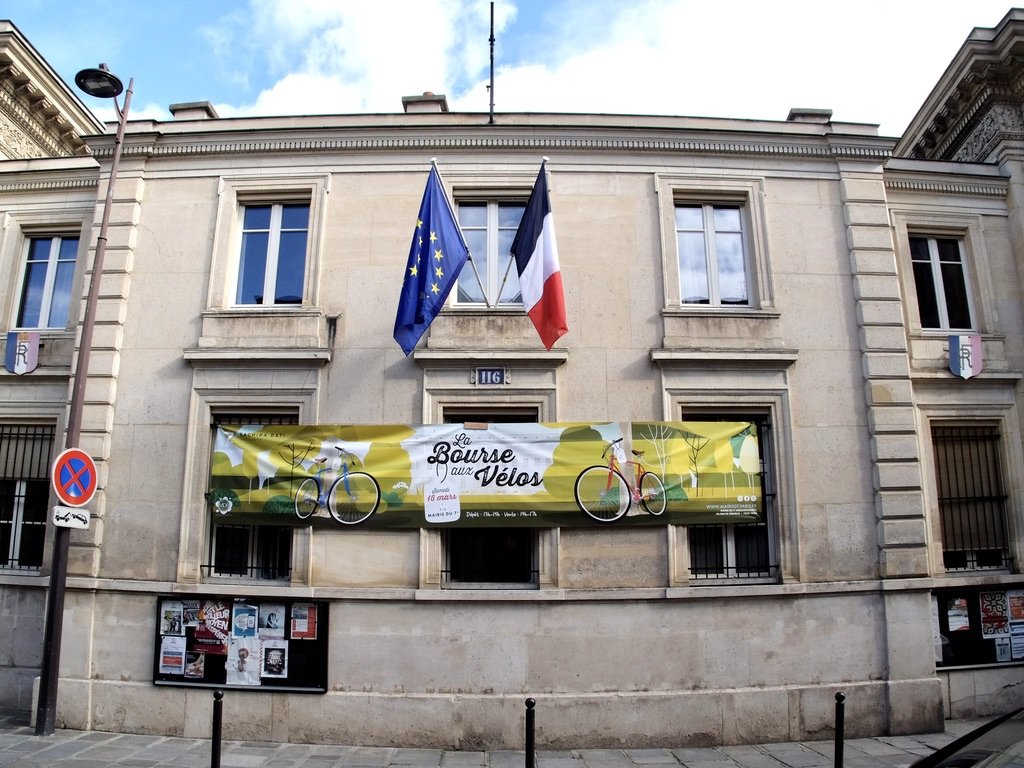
46	286
943	289
505	558
739	550
25	454
712	258
489	229
972	500
250	550
272	262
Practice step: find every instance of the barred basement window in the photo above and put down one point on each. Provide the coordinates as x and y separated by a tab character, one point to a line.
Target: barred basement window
739	550
251	550
972	499
25	456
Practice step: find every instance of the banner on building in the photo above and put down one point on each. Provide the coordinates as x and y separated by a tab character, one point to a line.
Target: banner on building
533	475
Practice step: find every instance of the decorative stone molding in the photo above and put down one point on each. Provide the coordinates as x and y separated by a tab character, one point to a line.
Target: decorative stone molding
931	187
977	104
41	116
999	123
42	185
169	147
23	109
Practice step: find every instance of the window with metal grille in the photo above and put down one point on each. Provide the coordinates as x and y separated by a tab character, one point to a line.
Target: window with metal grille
25	456
972	500
489	558
743	551
251	550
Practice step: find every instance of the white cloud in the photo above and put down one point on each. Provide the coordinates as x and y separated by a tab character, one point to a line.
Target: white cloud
872	61
353	55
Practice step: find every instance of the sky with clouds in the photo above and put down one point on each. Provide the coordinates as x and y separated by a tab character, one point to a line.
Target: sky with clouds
873	61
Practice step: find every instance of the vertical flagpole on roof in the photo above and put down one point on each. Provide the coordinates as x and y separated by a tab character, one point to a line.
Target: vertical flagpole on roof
491	87
511	256
469	253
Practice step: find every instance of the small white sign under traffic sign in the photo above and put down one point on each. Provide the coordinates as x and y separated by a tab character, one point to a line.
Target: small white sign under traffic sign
71	517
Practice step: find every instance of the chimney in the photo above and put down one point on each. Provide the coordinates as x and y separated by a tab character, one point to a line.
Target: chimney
803	115
428	102
193	110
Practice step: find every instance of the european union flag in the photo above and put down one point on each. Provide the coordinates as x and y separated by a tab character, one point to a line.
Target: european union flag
436	257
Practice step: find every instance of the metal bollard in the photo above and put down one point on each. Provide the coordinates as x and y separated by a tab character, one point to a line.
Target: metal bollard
218	716
840	714
530	744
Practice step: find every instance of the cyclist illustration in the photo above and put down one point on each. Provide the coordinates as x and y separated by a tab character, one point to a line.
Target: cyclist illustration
350	498
604	493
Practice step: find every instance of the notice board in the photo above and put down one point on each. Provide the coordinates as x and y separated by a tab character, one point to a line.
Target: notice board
264	644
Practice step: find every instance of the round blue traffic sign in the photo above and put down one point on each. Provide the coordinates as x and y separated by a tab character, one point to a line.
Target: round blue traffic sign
74	477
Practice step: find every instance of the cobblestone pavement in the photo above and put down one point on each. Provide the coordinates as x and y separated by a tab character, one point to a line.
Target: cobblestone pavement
96	749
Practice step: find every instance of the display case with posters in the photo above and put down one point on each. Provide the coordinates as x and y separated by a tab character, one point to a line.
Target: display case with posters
267	644
976	625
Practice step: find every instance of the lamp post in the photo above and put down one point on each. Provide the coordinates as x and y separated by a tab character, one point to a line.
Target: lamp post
102	84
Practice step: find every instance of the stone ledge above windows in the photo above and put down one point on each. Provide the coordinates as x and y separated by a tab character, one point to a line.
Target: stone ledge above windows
686	327
759	358
479	328
929	356
469	358
258	335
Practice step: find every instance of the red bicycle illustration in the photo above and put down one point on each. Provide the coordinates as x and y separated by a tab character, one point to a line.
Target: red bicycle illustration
604	493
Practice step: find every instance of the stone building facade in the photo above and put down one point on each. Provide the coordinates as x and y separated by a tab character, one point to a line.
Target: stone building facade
840	267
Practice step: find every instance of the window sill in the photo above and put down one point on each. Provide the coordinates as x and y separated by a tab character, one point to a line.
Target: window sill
758	357
700	310
486	585
46	333
987	665
245	581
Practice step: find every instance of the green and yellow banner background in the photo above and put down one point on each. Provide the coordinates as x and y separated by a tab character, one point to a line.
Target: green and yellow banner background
489	474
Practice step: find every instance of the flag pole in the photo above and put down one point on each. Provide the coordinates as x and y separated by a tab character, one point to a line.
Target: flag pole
490	121
512	258
469	253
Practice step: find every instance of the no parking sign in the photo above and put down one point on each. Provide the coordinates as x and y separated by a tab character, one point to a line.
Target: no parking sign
74	477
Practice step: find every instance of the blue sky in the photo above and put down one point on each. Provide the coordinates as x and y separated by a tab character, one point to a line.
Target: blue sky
873	61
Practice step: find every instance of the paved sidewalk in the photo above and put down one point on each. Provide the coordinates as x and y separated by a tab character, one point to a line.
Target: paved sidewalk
96	749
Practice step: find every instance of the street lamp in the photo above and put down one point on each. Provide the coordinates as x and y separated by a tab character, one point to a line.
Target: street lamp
103	84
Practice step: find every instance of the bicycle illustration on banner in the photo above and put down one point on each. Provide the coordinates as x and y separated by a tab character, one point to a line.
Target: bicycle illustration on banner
350	498
604	493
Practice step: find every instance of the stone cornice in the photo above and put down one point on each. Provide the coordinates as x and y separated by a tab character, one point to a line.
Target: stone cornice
932	187
38	101
970	107
18	117
102	147
49	184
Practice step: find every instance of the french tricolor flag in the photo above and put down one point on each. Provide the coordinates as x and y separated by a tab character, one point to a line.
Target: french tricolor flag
540	280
